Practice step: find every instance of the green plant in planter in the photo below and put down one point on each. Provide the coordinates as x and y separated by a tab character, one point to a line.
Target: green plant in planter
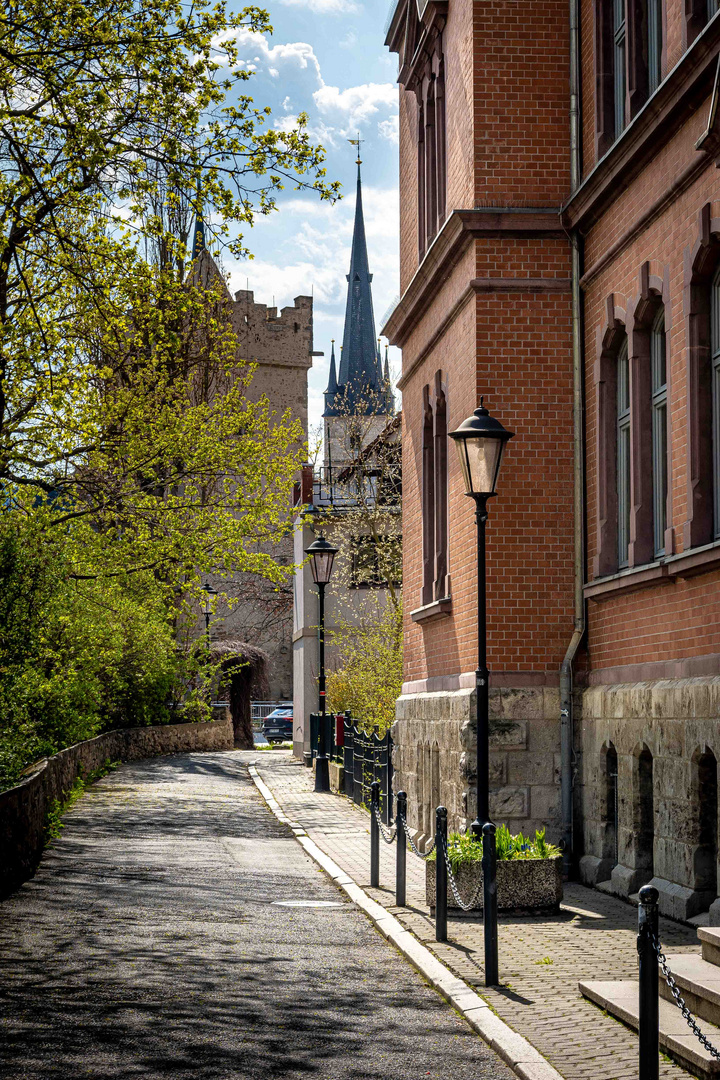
464	848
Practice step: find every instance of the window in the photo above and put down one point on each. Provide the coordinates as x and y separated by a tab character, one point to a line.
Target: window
431	152
628	62
619	65
715	382
435	492
623	454
697	15
655	40
659	431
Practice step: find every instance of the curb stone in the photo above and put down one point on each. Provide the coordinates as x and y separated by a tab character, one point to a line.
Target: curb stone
515	1050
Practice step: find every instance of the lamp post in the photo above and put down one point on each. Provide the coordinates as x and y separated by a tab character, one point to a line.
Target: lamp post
321	555
480	441
210	593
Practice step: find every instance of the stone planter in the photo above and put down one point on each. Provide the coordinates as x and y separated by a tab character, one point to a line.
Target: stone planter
522	884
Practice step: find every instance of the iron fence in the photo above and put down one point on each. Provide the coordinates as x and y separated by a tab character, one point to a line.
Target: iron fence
366	758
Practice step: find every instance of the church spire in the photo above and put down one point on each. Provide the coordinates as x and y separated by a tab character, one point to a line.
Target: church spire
198	236
359	375
332	386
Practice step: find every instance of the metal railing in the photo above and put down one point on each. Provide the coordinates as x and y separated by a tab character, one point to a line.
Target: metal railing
366	758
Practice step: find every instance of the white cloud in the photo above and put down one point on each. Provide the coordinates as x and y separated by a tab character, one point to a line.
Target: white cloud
390	129
291	53
325	7
356	104
349	41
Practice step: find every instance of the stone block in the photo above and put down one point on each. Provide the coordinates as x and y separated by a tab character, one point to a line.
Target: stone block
674	861
593	870
508	802
530	768
544	802
522	704
625	881
679	901
714	915
544	735
512	738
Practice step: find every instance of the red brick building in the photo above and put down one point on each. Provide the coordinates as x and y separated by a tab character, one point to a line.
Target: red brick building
560	254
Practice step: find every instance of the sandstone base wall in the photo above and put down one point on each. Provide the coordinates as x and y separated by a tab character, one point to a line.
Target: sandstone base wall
24	808
662	827
434	738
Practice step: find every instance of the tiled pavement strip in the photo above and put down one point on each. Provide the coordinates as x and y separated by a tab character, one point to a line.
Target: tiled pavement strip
593	937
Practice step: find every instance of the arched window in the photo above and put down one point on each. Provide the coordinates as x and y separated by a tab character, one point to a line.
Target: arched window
623	454
715	381
658	366
435	492
644	815
706	806
610	845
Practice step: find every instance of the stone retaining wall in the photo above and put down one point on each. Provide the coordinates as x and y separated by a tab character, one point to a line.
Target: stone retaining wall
23	809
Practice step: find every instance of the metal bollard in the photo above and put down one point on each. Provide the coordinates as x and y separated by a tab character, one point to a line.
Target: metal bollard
374	835
490	913
401	853
649	1020
440	874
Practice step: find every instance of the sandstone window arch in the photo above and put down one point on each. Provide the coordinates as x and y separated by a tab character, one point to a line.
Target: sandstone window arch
643	814
610	814
704	804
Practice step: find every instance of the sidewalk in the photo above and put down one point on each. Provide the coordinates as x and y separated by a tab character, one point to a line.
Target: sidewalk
542	958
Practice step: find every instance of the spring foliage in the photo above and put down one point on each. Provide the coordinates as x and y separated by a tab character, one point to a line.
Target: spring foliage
131	458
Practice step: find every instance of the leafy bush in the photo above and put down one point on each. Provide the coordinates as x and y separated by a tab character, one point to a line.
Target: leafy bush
76	656
368	680
464	848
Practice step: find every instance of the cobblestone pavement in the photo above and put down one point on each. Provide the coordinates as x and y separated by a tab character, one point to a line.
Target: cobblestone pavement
150	944
541	958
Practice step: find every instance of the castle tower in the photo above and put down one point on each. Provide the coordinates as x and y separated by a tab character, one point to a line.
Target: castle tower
358	398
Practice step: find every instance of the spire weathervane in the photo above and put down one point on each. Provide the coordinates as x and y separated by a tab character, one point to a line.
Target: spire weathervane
357	142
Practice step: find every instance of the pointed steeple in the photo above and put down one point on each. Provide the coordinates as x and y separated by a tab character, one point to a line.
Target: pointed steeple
198	237
389	396
332	385
359	376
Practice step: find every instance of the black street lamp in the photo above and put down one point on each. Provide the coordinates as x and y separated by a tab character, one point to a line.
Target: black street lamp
480	441
210	594
321	555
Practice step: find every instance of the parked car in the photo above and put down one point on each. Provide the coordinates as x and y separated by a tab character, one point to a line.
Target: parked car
278	725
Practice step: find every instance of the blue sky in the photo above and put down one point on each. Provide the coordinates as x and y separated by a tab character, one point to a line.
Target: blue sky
327	58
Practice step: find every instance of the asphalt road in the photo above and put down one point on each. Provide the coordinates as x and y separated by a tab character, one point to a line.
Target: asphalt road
151	943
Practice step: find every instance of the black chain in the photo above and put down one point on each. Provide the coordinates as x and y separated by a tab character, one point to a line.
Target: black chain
388	837
454	885
411	842
680	1001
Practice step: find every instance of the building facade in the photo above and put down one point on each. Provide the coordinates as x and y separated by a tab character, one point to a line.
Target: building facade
280	347
354	496
560	254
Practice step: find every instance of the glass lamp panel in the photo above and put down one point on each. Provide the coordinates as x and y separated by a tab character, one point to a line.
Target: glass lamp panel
322	563
483	463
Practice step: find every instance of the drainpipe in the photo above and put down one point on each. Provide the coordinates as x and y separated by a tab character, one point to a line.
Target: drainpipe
566	668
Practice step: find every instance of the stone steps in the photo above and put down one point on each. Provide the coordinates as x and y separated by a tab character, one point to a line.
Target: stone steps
699	983
620	999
